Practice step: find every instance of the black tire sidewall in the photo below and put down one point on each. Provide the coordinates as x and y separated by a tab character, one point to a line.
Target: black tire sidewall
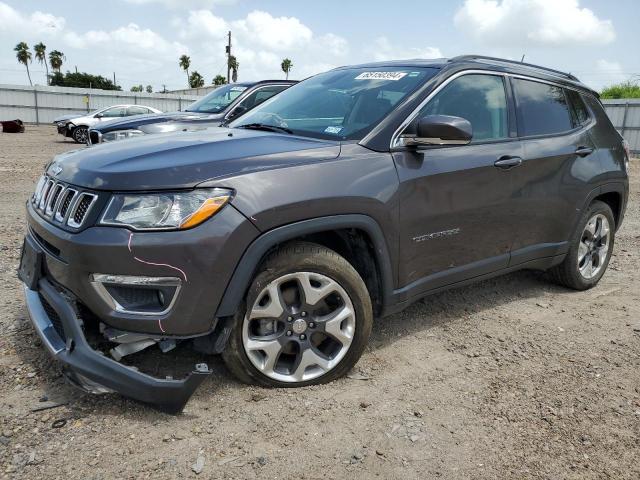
75	132
303	257
572	257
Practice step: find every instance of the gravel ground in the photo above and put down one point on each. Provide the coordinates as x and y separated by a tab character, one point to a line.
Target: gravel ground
510	378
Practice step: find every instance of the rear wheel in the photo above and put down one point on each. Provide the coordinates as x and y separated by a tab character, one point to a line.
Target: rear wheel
306	320
80	134
590	250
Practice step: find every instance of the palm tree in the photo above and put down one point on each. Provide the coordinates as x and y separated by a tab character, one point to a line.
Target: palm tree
218	80
185	63
41	56
286	66
149	89
55	59
24	56
233	64
196	80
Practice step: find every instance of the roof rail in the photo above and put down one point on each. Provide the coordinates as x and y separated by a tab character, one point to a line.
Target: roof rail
462	58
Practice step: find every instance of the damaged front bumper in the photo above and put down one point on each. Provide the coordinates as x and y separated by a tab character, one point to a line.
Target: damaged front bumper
56	321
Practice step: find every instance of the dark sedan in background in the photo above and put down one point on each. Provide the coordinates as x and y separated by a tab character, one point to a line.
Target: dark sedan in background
221	105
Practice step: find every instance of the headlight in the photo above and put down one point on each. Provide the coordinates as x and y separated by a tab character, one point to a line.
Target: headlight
165	210
120	135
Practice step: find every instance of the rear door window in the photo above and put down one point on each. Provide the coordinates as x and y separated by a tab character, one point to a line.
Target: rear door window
542	108
137	111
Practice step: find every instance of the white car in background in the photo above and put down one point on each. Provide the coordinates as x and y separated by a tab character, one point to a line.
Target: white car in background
77	126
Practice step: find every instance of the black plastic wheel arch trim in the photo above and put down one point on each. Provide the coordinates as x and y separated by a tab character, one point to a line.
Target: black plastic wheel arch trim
244	272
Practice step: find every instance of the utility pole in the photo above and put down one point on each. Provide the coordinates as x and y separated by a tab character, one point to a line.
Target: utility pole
114	79
228	56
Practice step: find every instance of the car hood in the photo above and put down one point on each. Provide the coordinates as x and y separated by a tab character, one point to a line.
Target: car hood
69	116
185	159
140	120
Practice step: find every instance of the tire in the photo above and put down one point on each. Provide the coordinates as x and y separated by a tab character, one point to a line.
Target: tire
80	134
569	273
342	307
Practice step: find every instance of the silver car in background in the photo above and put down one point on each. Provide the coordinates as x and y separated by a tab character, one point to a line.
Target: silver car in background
77	126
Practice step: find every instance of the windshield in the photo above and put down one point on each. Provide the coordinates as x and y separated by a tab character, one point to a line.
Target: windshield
218	100
341	104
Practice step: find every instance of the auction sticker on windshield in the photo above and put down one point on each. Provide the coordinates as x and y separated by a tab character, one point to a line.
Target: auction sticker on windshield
238	89
381	76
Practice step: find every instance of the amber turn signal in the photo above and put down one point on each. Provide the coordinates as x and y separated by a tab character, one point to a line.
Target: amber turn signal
208	208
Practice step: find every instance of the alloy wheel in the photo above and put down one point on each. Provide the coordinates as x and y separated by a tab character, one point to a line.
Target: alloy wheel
594	246
299	327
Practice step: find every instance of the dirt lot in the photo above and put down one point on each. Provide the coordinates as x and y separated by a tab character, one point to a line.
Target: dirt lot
510	378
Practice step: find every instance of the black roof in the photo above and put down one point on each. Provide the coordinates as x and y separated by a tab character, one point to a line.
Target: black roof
484	62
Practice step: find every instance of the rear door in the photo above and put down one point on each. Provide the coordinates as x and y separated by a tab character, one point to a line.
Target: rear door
559	165
454	201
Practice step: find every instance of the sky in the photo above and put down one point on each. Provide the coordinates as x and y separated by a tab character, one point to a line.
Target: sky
141	40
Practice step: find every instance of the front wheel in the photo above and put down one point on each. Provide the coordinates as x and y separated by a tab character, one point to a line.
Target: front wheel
590	249
80	134
306	320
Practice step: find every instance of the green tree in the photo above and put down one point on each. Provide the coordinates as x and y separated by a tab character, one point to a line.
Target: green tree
24	56
41	55
233	64
82	80
149	89
137	88
185	63
628	89
55	59
196	80
219	80
286	66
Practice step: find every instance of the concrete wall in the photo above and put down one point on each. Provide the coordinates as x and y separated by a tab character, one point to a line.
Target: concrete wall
625	116
41	104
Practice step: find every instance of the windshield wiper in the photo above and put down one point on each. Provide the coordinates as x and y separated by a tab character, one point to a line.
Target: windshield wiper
265	127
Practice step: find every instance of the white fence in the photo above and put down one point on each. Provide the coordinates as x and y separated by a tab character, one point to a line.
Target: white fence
625	116
41	104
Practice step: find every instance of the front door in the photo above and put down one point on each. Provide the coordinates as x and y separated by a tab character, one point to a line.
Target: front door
455	200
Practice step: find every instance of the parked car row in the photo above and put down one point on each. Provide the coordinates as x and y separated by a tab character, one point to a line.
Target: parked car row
220	106
120	122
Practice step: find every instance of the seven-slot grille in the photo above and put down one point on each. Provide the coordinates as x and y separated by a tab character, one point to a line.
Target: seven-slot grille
62	203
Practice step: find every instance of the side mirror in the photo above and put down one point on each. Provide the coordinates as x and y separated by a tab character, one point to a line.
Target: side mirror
98	115
440	130
236	112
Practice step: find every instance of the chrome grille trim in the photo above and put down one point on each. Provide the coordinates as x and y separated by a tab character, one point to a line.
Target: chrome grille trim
69	194
54	197
37	195
45	194
61	204
72	222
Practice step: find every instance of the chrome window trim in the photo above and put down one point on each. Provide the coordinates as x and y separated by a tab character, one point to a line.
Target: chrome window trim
395	140
98	280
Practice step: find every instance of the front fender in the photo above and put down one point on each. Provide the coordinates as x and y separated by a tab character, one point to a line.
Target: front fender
246	268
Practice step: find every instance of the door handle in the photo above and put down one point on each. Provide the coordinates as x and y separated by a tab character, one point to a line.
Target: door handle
506	162
583	151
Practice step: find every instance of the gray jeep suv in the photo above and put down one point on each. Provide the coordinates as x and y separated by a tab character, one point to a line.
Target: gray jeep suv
275	241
